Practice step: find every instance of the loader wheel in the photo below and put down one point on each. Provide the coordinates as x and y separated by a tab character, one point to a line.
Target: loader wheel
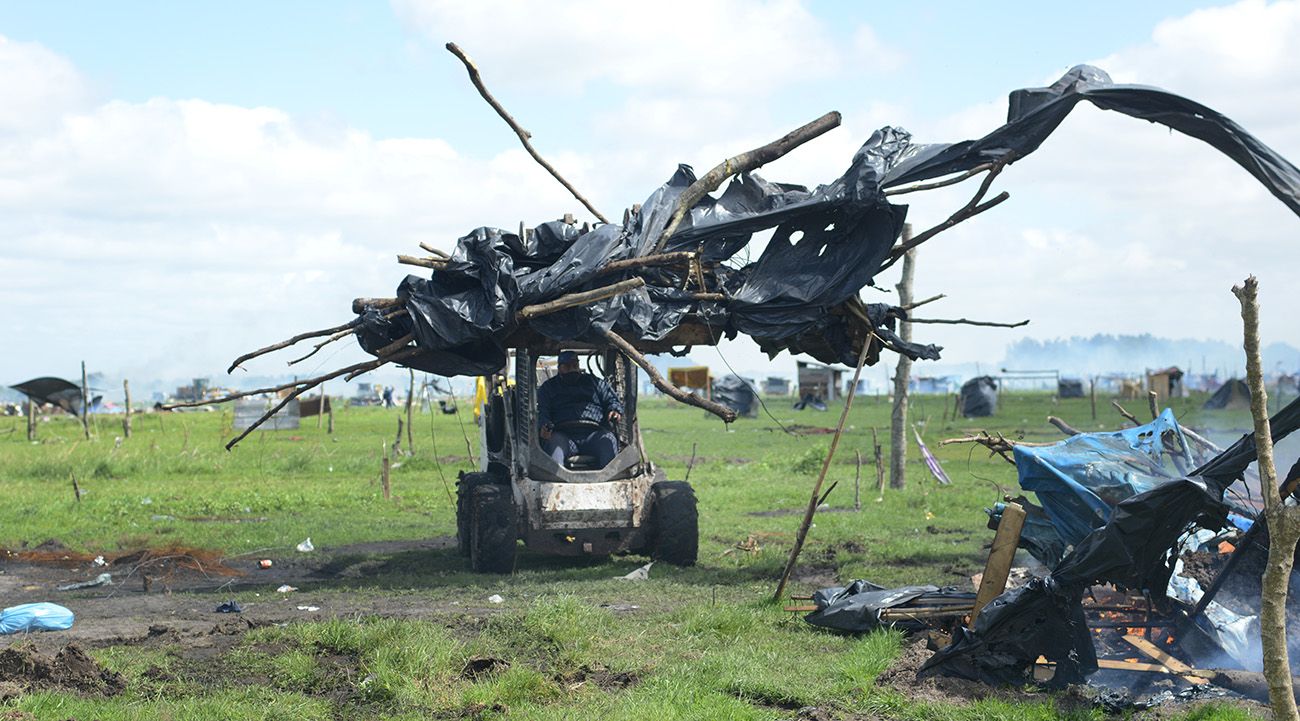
675	523
464	489
492	529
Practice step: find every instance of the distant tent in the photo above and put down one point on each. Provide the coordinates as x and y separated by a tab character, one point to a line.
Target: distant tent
1233	395
737	394
979	397
54	391
1069	388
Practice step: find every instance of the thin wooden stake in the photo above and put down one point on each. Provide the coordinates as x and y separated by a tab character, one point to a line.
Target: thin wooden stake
410	398
383	478
821	477
31	420
857	480
126	418
76	490
1153	400
330	427
320	412
879	459
690	464
85	402
1092	396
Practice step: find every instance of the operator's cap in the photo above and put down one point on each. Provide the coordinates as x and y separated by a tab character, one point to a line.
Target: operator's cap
568	356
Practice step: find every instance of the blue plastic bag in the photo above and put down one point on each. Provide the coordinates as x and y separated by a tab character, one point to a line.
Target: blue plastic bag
35	617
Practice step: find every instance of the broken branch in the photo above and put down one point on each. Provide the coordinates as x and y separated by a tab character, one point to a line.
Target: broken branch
717	409
435	251
340	335
965	321
359	305
941	183
680	256
524	135
919	303
1125	413
285	344
576	299
434	263
744	163
1062	426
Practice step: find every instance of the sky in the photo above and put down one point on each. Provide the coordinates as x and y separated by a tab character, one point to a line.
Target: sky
183	182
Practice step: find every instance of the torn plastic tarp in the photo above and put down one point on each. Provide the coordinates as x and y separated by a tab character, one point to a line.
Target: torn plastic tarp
979	397
826	244
54	391
735	393
1136	549
857	607
1080	479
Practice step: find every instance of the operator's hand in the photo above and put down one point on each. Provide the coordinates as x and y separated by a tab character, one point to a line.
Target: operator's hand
545	432
614	416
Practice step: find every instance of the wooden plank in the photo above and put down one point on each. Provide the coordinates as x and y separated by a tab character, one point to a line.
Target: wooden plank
799	609
998	567
1150	649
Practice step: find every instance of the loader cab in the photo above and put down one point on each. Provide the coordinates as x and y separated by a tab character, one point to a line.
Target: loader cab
572	508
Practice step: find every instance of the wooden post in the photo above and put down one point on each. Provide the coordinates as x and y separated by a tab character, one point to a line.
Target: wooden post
383	476
1153	400
330	427
817	487
1092	396
31	420
410	398
946	396
998	568
320	412
76	490
857	480
126	417
903	372
85	402
1283	521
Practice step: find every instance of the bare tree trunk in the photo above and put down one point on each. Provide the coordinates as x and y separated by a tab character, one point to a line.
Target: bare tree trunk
126	417
1283	522
85	402
898	420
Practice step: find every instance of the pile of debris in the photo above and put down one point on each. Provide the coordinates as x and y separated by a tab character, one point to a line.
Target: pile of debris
668	276
1151	542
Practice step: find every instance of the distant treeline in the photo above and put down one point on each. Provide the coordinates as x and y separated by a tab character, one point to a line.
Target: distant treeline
1104	353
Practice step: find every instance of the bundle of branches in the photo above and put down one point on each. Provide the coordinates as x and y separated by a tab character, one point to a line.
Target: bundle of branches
666	277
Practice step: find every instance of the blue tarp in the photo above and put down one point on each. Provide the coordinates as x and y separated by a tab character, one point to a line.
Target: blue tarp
1081	479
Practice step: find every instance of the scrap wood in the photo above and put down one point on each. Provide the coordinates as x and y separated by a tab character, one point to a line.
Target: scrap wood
744	163
998	444
1155	652
967	321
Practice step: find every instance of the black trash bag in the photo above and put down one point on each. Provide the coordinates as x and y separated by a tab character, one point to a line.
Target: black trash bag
856	608
735	393
979	397
1069	388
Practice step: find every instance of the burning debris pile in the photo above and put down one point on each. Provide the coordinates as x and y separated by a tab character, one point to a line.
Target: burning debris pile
668	275
1151	538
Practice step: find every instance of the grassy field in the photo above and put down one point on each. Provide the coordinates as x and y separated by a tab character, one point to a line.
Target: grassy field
569	640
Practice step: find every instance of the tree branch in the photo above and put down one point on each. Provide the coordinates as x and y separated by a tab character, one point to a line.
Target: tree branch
1125	413
1062	426
964	321
584	298
744	163
434	263
919	303
941	183
717	409
340	335
524	135
286	343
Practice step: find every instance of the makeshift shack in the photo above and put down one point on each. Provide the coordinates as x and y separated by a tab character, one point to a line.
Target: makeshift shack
979	397
737	394
52	391
1167	383
695	378
1069	388
819	382
776	386
1233	395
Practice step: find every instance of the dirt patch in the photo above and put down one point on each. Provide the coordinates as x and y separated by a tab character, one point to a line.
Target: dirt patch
600	676
480	666
23	668
901	677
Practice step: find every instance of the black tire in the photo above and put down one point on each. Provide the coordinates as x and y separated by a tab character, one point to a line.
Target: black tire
675	523
493	534
464	489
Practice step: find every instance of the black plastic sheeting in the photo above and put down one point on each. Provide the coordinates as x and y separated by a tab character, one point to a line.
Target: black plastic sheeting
979	397
735	393
827	243
1134	550
55	391
1233	394
856	607
1069	388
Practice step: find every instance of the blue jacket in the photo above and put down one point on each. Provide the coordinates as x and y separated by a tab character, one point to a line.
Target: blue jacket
576	396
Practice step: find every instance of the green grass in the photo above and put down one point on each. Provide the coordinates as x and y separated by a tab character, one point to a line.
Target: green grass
705	643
